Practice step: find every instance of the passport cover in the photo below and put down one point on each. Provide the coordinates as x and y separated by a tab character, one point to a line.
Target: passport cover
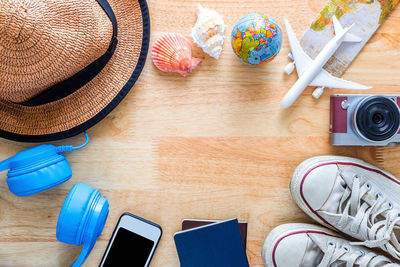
194	223
214	245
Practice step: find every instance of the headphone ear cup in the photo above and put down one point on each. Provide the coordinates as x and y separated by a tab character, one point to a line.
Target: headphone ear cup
82	216
41	176
72	214
82	219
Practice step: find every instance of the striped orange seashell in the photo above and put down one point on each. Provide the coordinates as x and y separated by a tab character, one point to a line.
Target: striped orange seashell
173	53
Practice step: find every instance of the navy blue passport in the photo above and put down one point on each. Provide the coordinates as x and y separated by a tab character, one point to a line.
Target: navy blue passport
214	245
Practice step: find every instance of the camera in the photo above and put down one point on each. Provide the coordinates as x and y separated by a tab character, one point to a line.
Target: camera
364	120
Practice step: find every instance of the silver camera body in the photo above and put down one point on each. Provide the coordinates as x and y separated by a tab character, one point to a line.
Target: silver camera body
364	120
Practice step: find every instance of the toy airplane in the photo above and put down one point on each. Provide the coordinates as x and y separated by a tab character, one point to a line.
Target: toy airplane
311	71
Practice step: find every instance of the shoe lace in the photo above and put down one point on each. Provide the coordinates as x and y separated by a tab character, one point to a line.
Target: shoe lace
375	223
336	255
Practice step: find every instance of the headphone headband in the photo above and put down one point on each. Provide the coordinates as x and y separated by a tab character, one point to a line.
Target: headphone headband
5	164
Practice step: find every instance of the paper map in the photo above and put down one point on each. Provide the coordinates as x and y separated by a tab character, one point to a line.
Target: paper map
367	16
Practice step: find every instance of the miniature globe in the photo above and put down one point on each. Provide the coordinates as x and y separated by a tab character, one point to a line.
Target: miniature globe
256	39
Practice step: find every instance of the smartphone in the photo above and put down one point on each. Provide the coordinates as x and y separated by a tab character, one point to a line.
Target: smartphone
133	242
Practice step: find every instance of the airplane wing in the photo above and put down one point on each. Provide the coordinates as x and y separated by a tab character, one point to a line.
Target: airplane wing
324	79
301	59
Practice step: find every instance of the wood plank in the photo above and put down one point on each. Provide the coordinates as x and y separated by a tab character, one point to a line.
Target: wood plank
213	145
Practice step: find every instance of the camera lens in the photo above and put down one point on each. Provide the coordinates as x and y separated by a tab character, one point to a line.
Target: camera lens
377	118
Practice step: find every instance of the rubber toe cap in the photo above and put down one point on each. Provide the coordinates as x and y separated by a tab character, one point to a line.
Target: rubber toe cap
289	252
318	185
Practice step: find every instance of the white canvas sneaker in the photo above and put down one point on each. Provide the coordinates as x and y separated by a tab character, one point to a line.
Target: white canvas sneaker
305	245
353	197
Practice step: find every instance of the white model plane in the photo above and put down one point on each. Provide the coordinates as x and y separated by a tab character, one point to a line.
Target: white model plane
311	72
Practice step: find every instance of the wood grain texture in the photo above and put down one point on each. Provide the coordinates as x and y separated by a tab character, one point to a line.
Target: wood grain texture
214	145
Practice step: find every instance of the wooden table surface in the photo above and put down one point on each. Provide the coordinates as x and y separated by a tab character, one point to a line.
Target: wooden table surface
214	145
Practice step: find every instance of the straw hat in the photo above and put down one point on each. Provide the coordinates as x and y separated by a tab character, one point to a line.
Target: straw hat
64	65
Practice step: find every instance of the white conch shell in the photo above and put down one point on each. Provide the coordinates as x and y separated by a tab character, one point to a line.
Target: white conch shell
208	33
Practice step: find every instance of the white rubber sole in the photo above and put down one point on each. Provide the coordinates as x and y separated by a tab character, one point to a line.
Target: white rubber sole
311	163
282	230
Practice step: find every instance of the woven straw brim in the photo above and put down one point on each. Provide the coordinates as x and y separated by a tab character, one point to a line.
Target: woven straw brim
91	103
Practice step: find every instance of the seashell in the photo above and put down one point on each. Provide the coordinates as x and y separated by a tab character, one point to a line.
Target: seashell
173	53
208	33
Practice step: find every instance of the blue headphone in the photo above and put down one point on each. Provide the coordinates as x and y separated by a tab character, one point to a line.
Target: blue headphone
82	219
84	212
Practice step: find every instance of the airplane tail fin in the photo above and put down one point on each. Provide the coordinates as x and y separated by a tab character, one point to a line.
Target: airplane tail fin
337	26
351	38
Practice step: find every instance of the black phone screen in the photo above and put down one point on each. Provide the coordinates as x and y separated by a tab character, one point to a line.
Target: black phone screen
128	249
